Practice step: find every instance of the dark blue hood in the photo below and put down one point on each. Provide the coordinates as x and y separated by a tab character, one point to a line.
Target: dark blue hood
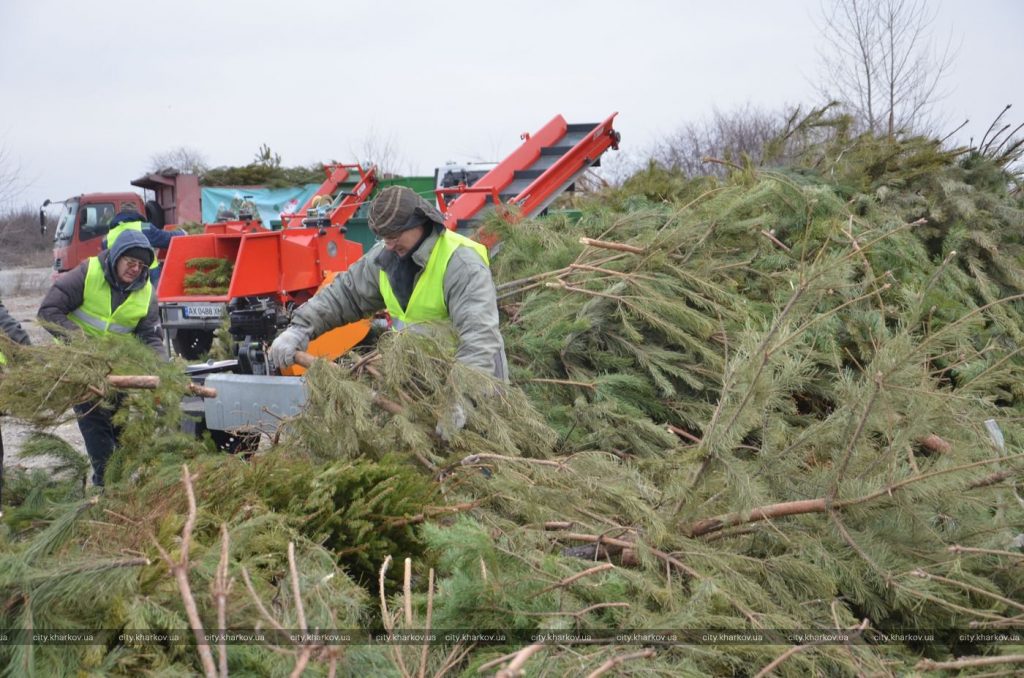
126	241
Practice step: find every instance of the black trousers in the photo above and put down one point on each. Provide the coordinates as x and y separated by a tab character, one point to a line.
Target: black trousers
100	434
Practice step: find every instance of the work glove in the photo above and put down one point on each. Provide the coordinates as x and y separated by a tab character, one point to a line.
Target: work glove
451	423
282	351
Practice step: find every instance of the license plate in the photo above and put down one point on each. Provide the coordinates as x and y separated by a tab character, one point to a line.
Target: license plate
204	311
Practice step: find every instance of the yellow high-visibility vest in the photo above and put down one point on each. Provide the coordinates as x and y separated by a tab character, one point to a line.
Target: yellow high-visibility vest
94	315
427	300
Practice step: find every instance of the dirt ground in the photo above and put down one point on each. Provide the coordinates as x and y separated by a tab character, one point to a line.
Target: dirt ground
21	291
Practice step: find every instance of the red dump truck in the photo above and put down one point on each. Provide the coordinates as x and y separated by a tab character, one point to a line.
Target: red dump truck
85	218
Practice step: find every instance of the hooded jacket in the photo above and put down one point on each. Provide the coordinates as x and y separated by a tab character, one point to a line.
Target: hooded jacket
469	296
68	293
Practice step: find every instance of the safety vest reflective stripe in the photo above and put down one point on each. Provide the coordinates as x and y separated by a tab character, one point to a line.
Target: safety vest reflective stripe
94	315
98	324
113	234
427	300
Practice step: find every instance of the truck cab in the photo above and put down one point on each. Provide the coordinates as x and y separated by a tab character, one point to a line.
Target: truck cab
86	218
82	224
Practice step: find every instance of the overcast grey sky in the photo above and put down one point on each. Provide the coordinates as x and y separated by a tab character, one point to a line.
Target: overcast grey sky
92	89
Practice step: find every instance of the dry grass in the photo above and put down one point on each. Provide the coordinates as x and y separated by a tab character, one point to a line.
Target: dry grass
21	243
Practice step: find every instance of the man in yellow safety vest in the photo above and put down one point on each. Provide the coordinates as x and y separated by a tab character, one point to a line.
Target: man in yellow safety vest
420	272
107	294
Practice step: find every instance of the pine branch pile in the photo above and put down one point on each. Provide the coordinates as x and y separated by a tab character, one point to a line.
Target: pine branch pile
263	174
50	379
211	276
788	399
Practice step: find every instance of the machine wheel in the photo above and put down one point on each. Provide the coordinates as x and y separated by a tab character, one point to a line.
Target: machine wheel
230	442
192	344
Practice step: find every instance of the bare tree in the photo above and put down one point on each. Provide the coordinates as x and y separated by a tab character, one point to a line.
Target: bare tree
726	136
382	152
880	61
11	182
183	159
616	168
21	243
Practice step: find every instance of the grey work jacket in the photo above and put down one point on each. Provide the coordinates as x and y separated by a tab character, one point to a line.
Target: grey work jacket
469	295
68	293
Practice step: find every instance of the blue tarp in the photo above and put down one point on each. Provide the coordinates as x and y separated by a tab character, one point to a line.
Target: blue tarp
270	202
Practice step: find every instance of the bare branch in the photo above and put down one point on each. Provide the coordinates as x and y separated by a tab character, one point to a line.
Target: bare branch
180	570
579	575
618	660
821	504
384	614
300	612
429	621
221	588
518	661
968	662
407	591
